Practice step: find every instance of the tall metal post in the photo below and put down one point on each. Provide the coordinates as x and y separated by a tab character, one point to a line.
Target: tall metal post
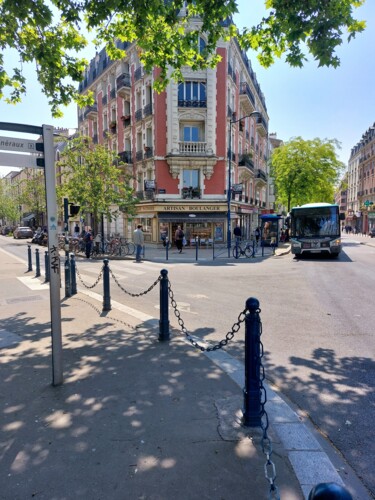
37	263
46	266
164	310
29	259
106	291
73	277
196	247
68	292
252	389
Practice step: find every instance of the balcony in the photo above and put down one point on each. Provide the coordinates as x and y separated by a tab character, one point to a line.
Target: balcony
106	132
246	161
247	100
190	193
147	110
138	115
262	175
148	152
112	94
91	111
104	100
112	127
138	74
192	103
95	139
192	148
126	157
126	120
139	155
123	84
261	126
145	195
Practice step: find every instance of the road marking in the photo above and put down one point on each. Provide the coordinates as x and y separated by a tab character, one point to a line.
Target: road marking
33	283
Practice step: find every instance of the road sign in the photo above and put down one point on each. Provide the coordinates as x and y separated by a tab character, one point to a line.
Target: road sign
20	160
20	145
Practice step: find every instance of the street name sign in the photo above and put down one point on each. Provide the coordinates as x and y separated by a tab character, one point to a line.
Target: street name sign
20	145
20	160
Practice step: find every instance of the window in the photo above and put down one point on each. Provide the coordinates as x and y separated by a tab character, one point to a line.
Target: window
190	178
191	133
192	94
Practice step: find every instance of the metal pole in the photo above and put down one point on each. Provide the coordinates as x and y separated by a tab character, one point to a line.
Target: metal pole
46	266
37	263
229	242
166	247
68	292
164	311
29	259
251	391
196	247
106	292
73	278
54	257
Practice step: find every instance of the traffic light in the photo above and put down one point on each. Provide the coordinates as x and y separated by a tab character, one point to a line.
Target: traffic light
73	209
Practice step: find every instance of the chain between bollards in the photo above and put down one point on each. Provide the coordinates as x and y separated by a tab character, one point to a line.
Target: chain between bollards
164	306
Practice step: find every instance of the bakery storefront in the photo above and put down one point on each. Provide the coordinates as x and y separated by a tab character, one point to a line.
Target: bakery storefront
204	221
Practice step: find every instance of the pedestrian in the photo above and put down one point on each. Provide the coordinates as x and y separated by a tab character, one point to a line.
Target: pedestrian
257	234
76	231
88	242
139	240
179	236
237	233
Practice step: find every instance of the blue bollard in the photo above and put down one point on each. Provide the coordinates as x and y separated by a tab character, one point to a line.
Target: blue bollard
331	491
106	291
252	394
73	277
37	263
29	260
68	292
164	310
46	267
196	247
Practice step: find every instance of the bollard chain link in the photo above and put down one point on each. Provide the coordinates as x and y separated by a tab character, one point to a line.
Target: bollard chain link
269	466
229	336
135	294
96	282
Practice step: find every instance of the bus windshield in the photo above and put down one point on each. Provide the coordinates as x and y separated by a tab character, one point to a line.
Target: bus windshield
315	222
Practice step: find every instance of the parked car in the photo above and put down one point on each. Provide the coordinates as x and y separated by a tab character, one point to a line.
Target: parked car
372	232
23	232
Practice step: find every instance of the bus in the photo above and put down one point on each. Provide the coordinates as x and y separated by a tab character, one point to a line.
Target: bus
315	229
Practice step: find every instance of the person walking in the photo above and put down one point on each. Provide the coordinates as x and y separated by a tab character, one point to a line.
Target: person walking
179	236
237	233
88	242
139	240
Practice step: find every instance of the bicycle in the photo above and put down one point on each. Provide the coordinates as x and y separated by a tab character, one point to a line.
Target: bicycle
248	250
127	247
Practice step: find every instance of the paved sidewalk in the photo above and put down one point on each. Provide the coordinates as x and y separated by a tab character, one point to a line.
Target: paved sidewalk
135	418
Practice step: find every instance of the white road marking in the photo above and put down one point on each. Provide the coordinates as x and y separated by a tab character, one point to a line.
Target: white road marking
33	283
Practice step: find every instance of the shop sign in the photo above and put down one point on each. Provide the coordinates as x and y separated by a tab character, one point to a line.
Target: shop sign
191	208
150	185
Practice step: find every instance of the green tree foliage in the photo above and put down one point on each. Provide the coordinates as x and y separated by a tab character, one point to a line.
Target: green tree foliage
305	171
33	193
9	206
49	33
94	178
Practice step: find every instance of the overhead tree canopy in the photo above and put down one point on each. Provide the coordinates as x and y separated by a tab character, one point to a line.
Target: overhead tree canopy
305	171
49	34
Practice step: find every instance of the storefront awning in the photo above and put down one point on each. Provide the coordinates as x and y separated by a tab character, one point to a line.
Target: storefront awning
192	217
28	217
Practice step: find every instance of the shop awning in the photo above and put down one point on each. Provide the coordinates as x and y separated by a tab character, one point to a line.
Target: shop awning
192	217
28	217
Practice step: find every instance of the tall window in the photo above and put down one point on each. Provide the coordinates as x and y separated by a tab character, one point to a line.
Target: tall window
191	133
190	178
192	94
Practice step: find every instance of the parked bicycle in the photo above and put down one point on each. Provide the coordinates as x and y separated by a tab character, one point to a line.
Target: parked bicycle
127	247
244	249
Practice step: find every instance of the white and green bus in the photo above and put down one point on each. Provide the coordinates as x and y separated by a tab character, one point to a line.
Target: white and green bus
315	229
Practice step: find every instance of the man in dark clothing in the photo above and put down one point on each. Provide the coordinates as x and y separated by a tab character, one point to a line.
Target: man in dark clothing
237	233
88	243
179	236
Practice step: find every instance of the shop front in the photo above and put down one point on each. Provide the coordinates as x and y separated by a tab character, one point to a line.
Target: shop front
205	222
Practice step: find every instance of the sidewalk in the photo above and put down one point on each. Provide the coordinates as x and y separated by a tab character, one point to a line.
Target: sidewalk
135	418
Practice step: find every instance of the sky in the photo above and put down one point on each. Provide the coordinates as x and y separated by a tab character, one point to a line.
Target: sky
309	102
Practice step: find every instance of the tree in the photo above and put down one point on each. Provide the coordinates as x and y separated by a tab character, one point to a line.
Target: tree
93	177
33	189
9	206
305	171
49	34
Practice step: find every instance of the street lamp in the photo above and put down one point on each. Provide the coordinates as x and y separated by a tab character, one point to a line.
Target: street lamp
229	193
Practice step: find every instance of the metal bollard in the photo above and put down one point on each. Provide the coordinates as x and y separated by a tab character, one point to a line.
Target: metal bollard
68	292
46	267
329	490
164	311
166	248
196	247
29	259
73	277
106	293
37	263
252	393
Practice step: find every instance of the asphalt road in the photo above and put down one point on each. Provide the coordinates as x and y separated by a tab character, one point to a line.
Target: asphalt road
318	325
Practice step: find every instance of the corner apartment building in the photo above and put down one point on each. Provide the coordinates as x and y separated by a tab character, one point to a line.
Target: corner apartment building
176	143
361	183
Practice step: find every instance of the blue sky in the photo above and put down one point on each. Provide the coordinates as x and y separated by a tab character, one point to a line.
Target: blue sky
308	102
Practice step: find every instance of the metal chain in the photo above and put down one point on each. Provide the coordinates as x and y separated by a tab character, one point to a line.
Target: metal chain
134	294
229	336
269	466
96	282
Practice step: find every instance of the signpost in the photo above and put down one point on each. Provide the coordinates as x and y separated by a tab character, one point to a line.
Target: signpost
41	154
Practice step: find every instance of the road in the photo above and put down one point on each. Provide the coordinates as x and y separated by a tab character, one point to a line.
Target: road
318	324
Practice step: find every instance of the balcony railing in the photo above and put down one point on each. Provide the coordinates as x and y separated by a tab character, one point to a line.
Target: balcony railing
104	100
138	115
139	155
106	132
148	152
95	139
147	110
123	84
247	98
91	111
192	148
262	126
192	103
138	74
145	195
126	157
112	94
246	161
126	120
190	193
262	175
